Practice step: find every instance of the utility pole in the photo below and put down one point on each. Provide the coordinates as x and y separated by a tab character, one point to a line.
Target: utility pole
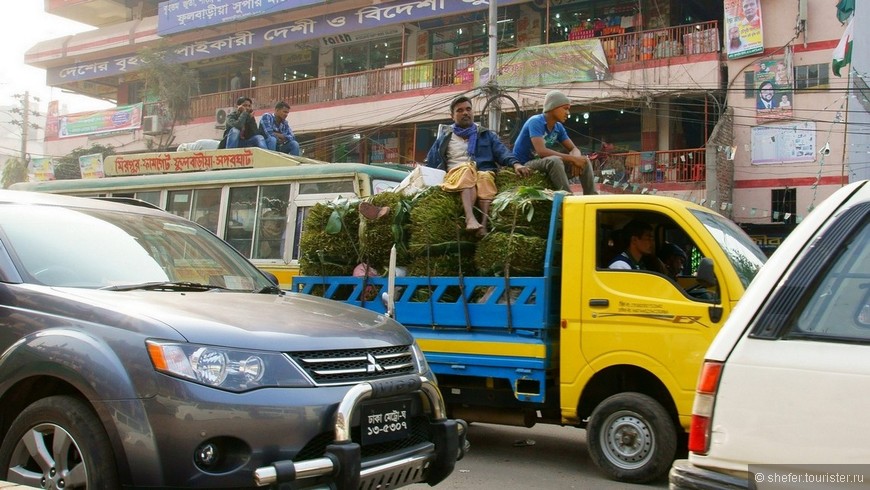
24	121
25	124
492	83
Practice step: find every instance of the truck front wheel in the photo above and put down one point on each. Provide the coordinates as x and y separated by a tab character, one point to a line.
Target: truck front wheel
632	438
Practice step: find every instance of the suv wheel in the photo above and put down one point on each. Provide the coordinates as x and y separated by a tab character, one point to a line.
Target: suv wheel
632	438
58	442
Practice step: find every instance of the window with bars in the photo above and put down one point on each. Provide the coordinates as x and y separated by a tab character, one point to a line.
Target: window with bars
783	205
808	76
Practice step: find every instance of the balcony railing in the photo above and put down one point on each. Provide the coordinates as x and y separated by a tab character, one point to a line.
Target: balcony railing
652	167
619	49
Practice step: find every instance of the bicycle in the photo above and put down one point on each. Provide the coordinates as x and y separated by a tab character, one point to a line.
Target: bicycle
511	119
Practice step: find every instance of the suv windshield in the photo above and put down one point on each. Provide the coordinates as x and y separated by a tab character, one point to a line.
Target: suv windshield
98	248
742	251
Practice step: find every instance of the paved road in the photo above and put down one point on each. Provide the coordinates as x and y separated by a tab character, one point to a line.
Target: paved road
543	457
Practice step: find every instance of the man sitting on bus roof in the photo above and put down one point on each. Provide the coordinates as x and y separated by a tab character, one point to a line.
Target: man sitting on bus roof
242	130
276	130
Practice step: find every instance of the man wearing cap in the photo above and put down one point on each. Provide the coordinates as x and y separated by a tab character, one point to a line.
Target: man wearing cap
533	147
673	257
471	155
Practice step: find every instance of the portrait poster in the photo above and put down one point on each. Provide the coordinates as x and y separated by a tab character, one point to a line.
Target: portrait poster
40	169
774	90
92	166
743	30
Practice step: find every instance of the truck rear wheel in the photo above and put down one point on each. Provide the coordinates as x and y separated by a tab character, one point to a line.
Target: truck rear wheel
632	438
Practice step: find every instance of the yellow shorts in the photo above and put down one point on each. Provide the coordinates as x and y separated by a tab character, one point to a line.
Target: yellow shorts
466	176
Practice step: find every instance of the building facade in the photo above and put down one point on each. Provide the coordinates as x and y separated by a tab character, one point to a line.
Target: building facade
666	90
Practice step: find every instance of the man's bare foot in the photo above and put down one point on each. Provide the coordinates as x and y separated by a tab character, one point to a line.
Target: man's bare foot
473	225
481	232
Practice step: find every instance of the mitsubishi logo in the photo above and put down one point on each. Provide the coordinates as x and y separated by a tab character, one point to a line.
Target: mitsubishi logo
373	366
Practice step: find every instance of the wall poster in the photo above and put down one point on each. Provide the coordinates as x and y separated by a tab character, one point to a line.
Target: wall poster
784	143
744	35
774	91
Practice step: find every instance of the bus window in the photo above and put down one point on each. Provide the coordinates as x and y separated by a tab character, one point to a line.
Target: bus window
301	213
272	222
271	235
149	196
206	208
332	187
178	203
240	229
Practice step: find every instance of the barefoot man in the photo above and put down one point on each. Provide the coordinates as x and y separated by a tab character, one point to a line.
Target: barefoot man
471	155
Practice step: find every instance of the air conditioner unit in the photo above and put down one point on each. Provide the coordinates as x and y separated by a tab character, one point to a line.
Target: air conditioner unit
220	116
152	125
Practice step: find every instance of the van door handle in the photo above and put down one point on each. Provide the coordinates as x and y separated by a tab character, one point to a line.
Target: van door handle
599	303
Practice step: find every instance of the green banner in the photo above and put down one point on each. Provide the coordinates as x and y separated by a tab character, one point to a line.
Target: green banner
127	117
582	60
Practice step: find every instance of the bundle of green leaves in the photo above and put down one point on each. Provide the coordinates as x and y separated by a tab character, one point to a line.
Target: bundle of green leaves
378	235
329	245
520	218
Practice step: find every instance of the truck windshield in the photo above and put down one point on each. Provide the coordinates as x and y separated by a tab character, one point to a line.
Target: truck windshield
745	256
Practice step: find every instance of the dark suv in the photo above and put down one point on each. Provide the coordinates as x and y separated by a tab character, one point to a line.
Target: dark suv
139	350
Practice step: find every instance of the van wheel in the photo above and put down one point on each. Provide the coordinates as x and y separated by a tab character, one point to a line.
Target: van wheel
58	442
632	438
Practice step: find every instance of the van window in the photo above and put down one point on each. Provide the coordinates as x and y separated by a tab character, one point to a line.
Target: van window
839	307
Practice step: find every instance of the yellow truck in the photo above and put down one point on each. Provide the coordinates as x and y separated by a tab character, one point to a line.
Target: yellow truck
616	352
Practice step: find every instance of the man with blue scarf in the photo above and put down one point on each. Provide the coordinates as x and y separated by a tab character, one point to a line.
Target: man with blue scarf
471	155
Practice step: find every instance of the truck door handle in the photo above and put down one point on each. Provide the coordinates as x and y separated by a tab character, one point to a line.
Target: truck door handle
599	303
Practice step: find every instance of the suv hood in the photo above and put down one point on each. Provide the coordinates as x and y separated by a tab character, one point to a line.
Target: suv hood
275	322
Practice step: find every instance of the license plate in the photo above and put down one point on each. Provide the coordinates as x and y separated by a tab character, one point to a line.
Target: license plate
385	421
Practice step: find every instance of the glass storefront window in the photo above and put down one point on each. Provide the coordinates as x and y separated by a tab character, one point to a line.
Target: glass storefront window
298	65
368	55
471	37
582	19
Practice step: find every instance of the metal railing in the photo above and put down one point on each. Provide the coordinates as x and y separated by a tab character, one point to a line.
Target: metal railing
652	167
620	48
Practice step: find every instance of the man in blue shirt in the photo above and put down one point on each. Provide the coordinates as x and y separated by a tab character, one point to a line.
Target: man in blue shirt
533	147
276	130
471	155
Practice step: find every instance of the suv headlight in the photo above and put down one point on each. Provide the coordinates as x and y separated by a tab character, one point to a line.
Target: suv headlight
225	368
422	365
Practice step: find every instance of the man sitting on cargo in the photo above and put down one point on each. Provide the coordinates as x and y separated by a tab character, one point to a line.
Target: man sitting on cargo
471	160
540	133
641	242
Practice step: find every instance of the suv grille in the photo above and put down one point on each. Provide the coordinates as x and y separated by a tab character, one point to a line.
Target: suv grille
353	366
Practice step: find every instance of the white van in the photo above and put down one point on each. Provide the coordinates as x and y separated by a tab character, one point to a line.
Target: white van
786	382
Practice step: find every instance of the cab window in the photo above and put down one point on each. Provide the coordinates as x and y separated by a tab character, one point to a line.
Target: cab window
664	249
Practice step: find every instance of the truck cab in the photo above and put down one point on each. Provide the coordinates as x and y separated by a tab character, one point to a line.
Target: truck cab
632	340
